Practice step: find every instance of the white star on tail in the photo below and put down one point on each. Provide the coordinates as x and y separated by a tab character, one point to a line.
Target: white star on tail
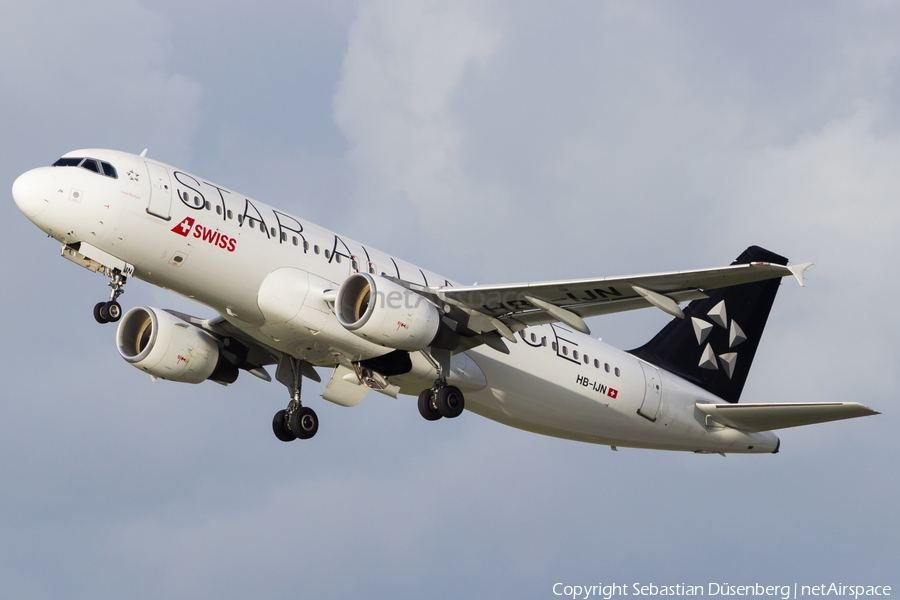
736	335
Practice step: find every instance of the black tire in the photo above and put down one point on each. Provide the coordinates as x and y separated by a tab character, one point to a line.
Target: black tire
427	408
450	401
113	311
304	423
98	313
279	426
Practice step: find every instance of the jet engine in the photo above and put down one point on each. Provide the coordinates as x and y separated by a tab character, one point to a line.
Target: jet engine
166	347
390	315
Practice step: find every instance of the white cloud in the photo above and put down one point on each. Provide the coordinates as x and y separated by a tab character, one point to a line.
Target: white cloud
95	73
831	197
403	69
542	139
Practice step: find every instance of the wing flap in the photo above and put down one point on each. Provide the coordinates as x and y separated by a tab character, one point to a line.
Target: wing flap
535	303
766	417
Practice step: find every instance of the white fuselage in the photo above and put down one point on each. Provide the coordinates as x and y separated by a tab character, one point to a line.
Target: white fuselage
218	247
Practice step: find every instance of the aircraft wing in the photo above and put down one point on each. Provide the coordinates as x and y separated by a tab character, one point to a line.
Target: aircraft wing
513	307
766	417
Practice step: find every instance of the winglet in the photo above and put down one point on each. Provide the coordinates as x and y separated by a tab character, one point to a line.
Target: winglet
799	272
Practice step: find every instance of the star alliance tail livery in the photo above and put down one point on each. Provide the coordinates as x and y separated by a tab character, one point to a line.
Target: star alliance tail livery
293	296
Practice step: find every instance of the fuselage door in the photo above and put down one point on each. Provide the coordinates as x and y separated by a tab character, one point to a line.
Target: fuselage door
160	192
652	392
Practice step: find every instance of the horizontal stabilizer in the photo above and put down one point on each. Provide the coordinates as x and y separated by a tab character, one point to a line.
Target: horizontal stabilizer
766	417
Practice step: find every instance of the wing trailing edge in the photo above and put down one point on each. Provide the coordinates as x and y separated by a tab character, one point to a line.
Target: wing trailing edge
766	417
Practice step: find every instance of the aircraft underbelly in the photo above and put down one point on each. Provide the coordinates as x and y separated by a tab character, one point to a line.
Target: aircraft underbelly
546	398
536	393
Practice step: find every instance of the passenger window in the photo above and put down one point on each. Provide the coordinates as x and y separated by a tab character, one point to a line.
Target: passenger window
218	210
606	366
109	170
565	350
554	346
305	246
544	341
586	359
575	354
240	219
262	227
617	372
272	231
284	238
230	214
327	254
251	223
295	240
91	165
337	257
596	364
316	249
208	205
533	338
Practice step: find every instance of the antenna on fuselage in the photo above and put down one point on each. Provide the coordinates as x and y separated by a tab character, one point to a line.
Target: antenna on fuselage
144	153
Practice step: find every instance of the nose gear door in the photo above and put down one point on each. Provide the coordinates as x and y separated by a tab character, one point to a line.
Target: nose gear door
160	192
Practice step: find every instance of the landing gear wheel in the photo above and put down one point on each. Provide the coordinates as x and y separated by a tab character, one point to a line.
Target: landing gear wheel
450	402
113	311
110	311
279	426
98	313
304	423
427	407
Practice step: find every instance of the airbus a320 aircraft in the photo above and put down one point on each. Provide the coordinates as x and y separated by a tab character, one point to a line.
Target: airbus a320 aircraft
291	294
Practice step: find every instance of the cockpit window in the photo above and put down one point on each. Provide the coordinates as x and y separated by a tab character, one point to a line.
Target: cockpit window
91	165
97	166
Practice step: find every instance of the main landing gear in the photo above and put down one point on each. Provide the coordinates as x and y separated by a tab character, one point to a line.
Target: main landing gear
296	421
111	311
442	400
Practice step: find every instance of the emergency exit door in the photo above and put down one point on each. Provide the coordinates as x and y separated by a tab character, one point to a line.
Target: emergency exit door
652	392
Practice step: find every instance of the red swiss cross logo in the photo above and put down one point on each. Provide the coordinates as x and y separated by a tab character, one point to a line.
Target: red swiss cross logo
184	227
612	393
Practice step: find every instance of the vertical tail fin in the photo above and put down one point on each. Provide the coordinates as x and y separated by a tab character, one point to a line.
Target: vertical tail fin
714	345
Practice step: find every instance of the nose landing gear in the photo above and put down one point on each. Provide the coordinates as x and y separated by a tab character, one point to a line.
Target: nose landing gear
111	311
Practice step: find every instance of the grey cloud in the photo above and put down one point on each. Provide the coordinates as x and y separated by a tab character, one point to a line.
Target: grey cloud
584	139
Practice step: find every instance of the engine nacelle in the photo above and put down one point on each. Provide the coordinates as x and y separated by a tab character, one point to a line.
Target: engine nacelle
390	315
166	347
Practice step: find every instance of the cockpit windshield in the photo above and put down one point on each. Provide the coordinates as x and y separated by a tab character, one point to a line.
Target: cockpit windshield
91	164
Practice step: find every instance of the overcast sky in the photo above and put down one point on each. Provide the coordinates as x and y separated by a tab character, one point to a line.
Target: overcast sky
489	141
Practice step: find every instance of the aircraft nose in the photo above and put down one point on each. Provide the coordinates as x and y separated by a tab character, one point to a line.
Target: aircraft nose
31	191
